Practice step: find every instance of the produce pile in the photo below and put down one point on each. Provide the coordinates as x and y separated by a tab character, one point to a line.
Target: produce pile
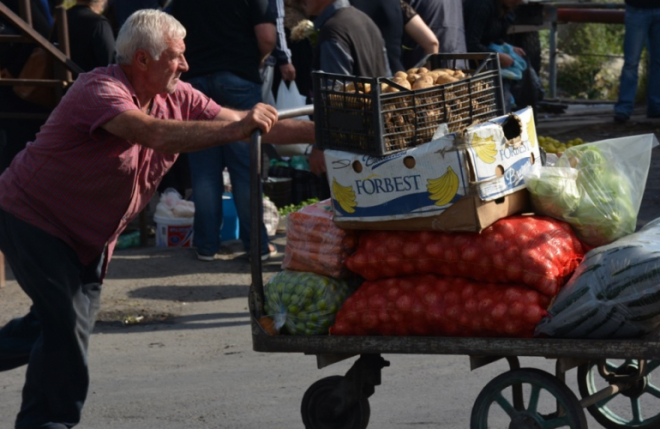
444	306
551	145
496	283
314	244
303	303
573	268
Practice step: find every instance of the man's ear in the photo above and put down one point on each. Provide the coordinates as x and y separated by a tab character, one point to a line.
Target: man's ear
141	58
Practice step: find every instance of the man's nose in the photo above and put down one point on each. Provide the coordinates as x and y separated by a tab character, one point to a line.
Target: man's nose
183	66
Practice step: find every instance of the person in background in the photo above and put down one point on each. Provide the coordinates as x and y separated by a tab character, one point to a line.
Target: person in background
386	14
91	40
280	57
125	8
229	41
642	23
445	19
417	31
14	132
348	43
92	168
487	22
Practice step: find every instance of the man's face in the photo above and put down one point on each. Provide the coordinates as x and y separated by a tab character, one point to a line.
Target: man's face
165	72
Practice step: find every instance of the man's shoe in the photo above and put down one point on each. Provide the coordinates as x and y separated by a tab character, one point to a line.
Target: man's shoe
271	254
206	258
620	118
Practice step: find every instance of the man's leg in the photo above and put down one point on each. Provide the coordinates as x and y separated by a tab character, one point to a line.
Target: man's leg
17	339
207	185
65	296
653	101
637	24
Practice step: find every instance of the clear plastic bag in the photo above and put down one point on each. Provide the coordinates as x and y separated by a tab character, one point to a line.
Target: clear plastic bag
596	187
288	97
614	292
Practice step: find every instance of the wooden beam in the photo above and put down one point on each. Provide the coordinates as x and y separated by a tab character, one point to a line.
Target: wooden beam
33	82
28	31
3	280
9	38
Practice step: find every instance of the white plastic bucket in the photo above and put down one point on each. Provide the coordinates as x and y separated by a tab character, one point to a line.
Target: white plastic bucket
173	232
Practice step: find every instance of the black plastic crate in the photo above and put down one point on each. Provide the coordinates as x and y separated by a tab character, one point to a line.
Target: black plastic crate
352	114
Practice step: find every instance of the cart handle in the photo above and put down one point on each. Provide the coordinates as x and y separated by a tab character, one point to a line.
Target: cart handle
256	209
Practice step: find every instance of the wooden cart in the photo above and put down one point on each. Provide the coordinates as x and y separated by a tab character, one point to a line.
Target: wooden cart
607	369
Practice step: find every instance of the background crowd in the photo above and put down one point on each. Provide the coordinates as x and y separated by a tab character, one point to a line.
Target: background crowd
239	52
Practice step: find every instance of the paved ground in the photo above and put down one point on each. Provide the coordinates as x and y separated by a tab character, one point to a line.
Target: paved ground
196	368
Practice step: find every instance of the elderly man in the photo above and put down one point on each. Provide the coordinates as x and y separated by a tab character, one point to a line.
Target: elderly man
93	167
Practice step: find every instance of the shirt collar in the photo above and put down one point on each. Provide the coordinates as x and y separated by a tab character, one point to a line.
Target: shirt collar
329	11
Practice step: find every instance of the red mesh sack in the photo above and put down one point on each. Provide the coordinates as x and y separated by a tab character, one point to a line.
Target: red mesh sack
431	305
314	244
536	251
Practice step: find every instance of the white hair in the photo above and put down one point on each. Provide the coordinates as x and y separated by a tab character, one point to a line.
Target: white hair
148	29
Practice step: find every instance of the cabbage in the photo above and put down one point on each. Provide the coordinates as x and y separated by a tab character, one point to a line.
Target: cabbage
587	191
554	191
606	210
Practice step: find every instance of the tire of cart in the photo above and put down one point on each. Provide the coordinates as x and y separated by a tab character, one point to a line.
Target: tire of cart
513	399
637	402
324	406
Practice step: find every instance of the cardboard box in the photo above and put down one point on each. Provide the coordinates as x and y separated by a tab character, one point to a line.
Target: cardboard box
458	182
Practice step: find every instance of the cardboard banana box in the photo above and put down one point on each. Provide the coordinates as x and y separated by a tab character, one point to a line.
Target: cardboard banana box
458	182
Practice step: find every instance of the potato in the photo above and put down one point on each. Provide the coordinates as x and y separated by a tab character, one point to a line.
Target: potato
443	79
423	82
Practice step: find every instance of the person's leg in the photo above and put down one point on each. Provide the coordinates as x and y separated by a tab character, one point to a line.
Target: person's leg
234	92
653	98
65	296
637	24
207	186
17	339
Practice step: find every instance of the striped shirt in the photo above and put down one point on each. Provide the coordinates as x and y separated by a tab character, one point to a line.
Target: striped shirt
82	184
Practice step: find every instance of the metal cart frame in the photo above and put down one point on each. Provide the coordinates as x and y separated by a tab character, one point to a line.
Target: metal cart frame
341	402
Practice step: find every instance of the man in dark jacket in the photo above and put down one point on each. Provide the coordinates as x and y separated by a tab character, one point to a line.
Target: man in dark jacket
348	43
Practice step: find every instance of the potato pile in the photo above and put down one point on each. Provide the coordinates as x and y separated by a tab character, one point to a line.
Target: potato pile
441	96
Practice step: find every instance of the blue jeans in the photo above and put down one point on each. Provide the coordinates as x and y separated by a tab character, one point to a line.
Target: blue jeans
52	339
206	167
642	28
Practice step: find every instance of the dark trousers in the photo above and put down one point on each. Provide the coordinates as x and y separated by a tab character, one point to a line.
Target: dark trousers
53	338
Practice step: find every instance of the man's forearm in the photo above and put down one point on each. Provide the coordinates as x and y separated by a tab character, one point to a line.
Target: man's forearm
291	131
172	136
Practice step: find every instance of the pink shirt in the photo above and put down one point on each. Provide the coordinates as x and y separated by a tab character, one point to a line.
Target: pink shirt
82	184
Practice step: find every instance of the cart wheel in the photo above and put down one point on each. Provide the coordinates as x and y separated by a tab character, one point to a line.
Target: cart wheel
319	406
623	410
540	413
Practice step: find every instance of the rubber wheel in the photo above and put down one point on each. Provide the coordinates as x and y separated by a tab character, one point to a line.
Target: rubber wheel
319	403
623	410
528	417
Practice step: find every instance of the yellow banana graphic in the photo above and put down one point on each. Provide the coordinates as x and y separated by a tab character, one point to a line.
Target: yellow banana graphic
444	188
531	131
344	196
485	148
